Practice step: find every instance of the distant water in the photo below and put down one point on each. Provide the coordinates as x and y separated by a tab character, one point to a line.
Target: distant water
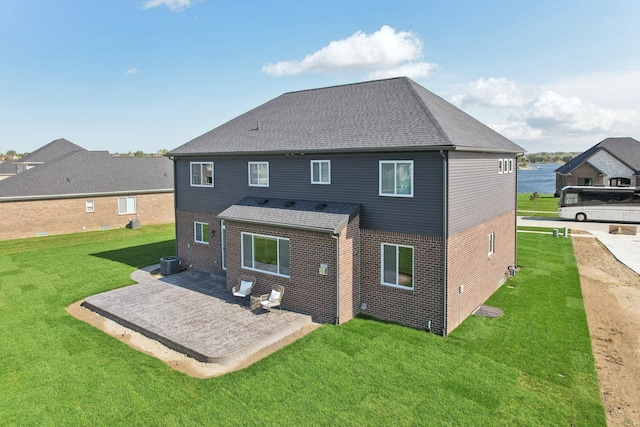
541	178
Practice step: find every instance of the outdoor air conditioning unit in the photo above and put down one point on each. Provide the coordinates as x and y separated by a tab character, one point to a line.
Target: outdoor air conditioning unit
169	265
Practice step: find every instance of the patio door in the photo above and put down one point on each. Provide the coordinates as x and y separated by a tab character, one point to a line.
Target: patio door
223	244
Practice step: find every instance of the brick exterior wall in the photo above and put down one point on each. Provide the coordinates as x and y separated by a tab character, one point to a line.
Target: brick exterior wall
349	271
585	170
199	256
21	219
412	307
470	265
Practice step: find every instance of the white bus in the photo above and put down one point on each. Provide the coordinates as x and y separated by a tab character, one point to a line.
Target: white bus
600	203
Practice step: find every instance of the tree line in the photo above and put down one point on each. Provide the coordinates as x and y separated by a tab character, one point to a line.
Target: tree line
548	157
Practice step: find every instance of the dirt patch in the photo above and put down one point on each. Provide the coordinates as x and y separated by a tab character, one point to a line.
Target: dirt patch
611	293
178	361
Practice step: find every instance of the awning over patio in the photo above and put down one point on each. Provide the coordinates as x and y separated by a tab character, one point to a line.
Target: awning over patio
323	217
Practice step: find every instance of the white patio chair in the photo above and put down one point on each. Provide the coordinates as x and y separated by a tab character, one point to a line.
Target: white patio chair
244	286
273	299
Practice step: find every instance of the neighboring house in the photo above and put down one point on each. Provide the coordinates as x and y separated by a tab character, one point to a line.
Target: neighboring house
84	191
377	198
612	162
53	150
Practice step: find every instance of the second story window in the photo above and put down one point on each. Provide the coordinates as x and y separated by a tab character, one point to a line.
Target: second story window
396	178
258	174
320	171
202	174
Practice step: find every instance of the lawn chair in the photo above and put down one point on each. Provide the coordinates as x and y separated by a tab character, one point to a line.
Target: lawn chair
272	300
244	287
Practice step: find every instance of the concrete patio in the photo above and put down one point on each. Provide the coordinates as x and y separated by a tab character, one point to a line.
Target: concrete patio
193	313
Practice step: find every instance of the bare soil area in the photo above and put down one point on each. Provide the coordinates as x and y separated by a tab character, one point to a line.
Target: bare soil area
611	293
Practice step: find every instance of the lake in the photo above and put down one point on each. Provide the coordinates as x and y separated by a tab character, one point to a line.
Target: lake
541	178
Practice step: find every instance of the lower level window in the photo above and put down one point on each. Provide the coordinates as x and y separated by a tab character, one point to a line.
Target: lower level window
266	253
587	182
397	265
89	206
492	242
201	232
127	205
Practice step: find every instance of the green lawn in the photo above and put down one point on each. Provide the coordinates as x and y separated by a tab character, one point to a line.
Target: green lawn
533	366
546	205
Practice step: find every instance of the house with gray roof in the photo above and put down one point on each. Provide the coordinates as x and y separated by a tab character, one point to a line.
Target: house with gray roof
378	198
78	190
613	162
55	149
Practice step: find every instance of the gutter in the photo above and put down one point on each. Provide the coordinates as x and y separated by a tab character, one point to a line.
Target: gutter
81	195
445	236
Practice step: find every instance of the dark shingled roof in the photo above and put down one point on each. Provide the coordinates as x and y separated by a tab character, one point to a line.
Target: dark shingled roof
626	150
392	115
90	173
53	150
324	217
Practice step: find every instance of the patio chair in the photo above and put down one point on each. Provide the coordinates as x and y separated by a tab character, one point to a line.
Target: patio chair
272	300
244	287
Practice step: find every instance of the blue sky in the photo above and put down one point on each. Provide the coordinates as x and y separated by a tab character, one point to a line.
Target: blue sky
128	75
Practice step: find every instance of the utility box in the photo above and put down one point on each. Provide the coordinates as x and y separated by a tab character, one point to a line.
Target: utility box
169	265
134	224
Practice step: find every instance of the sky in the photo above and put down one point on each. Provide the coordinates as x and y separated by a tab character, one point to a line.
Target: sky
129	75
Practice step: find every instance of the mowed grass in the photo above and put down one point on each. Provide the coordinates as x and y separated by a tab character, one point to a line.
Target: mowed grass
533	366
546	205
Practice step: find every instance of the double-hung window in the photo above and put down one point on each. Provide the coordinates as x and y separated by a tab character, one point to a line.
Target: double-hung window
266	253
201	232
320	171
202	174
500	166
396	178
258	174
397	265
127	205
89	206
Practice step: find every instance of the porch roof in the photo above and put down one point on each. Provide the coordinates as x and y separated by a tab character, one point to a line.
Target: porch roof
323	217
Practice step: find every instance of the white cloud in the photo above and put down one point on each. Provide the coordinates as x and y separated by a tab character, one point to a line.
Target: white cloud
384	51
131	71
554	112
493	92
411	69
174	5
516	130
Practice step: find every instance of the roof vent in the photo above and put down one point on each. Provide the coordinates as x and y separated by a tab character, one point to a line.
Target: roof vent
289	204
263	202
321	206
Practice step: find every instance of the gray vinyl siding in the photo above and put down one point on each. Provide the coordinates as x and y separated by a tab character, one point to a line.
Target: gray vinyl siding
354	179
477	192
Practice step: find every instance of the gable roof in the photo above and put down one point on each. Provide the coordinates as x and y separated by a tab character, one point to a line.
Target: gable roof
51	151
90	173
391	115
625	149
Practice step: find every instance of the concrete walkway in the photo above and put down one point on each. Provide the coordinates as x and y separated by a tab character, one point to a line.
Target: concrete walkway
193	313
625	248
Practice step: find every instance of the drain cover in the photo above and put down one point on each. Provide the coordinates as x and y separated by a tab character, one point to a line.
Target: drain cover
488	311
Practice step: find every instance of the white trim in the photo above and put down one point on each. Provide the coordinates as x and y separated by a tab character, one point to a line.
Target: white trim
492	242
135	202
195	233
510	165
249	174
395	175
500	166
253	253
319	163
223	244
202	164
413	269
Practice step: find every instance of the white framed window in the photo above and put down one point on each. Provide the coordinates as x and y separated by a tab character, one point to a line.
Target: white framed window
258	174
201	174
396	178
126	205
201	232
89	206
266	253
320	171
500	166
396	262
510	169
492	242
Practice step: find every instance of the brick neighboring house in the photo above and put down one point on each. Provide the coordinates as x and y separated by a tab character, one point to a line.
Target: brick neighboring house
80	190
53	150
378	198
613	162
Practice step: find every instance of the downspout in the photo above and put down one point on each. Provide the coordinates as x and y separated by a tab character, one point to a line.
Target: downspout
337	278
445	236
515	226
175	203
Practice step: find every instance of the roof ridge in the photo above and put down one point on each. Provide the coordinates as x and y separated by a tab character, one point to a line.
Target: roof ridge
347	85
426	110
